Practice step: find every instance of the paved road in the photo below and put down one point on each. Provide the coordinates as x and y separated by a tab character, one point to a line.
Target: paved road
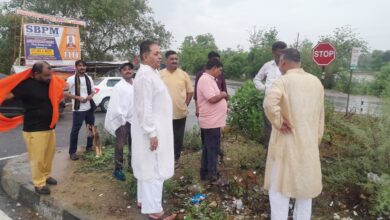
14	210
11	144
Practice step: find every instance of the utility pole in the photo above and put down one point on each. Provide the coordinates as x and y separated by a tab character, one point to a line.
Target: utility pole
21	35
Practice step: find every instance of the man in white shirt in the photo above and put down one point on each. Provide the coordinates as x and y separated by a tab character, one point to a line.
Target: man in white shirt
119	117
81	91
152	154
269	73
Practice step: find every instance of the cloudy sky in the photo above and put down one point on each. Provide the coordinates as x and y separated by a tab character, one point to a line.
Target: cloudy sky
230	20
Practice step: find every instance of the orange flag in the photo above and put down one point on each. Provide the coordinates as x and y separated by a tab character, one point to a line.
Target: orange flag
56	91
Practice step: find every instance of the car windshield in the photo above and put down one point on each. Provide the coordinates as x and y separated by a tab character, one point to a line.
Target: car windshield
98	81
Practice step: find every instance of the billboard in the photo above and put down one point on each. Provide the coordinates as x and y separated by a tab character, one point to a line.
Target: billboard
58	45
50	17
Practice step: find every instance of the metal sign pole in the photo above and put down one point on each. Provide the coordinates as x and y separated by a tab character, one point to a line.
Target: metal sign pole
354	65
21	35
348	92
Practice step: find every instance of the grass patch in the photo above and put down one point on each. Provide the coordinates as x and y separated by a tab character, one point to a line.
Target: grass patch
192	140
103	163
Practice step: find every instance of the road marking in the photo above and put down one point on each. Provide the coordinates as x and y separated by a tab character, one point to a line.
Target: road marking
10	157
3	216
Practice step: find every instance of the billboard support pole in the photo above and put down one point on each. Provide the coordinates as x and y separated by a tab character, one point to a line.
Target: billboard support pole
21	36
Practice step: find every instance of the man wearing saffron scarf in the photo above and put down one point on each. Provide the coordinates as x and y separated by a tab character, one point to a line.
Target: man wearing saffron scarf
81	91
40	92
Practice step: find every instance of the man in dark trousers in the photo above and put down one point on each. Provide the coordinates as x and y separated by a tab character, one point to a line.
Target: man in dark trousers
119	117
221	82
212	117
180	88
81	91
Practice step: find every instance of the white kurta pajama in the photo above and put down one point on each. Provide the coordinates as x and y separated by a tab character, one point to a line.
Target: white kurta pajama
120	108
293	168
152	118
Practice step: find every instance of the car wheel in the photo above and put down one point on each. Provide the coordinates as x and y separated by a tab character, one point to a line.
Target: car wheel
104	104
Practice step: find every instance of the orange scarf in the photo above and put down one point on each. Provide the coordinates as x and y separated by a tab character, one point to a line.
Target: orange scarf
56	91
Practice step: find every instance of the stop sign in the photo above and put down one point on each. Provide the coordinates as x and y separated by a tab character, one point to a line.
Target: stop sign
323	54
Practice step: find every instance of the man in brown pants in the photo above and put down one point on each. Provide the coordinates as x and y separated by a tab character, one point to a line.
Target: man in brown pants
119	117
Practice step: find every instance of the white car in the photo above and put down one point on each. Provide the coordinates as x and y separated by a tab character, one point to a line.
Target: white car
103	89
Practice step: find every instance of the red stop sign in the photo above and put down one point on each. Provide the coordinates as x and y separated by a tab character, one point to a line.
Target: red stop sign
323	54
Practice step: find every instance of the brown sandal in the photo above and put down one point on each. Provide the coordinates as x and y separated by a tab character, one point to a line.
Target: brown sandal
164	216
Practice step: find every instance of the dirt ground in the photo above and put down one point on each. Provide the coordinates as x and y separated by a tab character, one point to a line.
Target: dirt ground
97	194
100	196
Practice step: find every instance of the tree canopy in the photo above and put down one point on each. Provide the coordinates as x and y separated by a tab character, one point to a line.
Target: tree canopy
114	27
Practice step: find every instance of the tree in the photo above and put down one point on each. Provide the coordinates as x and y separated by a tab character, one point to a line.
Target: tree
235	63
306	47
9	32
343	38
114	27
377	60
365	60
262	37
193	52
381	85
260	51
386	56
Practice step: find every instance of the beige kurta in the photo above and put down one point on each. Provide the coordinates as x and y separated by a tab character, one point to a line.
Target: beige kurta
299	98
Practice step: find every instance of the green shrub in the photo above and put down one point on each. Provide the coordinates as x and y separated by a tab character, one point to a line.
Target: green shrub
131	185
204	211
381	82
246	112
359	145
382	201
192	139
170	187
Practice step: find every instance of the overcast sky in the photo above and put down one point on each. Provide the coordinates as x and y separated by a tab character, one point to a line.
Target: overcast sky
230	20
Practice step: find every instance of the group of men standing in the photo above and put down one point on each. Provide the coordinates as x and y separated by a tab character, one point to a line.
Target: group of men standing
149	113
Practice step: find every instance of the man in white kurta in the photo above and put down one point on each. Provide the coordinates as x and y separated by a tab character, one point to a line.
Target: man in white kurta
152	132
295	107
119	117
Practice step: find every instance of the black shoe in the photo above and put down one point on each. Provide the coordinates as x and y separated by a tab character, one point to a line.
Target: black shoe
219	182
74	157
89	150
43	190
51	181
